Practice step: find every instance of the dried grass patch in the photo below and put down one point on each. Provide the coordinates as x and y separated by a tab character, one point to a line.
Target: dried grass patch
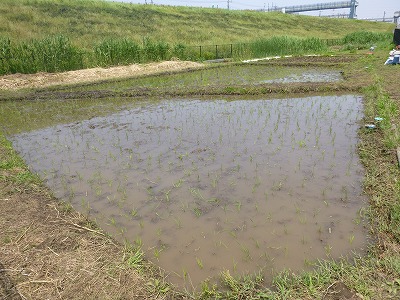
20	81
49	253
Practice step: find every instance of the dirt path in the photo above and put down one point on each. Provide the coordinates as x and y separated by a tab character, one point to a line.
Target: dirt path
19	81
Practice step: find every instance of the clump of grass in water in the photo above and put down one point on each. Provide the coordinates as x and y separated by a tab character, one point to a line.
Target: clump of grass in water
134	256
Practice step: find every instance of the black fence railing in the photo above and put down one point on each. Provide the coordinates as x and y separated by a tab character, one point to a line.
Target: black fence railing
333	42
222	51
216	51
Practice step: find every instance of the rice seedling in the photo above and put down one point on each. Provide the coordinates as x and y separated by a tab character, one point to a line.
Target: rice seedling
238	205
177	173
199	263
246	252
157	253
328	250
303	220
351	239
112	221
133	213
197	212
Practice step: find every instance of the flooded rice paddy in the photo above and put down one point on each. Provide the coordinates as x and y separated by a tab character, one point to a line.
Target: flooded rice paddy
209	185
230	74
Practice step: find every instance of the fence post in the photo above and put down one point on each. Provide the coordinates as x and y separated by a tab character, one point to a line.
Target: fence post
200	52
231	50
216	51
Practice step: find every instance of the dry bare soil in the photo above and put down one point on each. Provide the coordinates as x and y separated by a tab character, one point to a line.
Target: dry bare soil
19	81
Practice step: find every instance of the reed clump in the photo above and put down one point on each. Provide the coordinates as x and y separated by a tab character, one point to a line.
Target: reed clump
366	39
285	45
58	53
51	54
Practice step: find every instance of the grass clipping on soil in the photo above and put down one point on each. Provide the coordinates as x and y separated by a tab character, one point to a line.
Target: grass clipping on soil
19	81
47	253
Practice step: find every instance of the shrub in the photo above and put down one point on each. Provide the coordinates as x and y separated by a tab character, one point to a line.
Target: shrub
117	52
365	39
52	54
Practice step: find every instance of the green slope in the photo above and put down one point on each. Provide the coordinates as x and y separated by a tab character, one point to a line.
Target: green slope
89	21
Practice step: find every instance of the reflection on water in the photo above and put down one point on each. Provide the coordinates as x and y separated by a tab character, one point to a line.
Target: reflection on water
227	75
214	185
309	76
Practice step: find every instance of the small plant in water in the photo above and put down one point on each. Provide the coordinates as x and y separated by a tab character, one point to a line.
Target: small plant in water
197	212
328	250
199	263
238	205
133	212
351	239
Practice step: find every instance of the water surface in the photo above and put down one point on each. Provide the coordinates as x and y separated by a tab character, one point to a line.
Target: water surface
206	186
226	75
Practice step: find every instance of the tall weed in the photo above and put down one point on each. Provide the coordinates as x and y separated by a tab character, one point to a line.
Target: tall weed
284	45
117	52
56	54
365	39
5	54
51	54
155	51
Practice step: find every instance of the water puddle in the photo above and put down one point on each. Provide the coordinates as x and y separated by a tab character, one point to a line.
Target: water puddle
309	76
206	186
227	75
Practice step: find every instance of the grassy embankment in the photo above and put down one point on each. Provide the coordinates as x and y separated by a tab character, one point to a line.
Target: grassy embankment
56	36
87	22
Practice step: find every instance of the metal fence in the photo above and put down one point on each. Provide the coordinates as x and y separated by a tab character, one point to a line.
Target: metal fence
221	51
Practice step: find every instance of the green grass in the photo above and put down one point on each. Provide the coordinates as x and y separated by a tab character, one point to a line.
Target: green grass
56	54
125	51
53	36
13	167
51	54
11	160
88	22
134	256
284	45
362	38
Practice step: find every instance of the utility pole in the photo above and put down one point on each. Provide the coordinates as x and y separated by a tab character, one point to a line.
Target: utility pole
228	3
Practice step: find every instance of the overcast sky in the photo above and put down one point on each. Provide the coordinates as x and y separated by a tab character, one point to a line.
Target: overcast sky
366	8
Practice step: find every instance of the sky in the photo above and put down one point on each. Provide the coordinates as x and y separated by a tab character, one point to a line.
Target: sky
366	8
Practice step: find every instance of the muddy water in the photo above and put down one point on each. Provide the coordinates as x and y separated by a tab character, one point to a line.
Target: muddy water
309	76
212	185
228	75
243	74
